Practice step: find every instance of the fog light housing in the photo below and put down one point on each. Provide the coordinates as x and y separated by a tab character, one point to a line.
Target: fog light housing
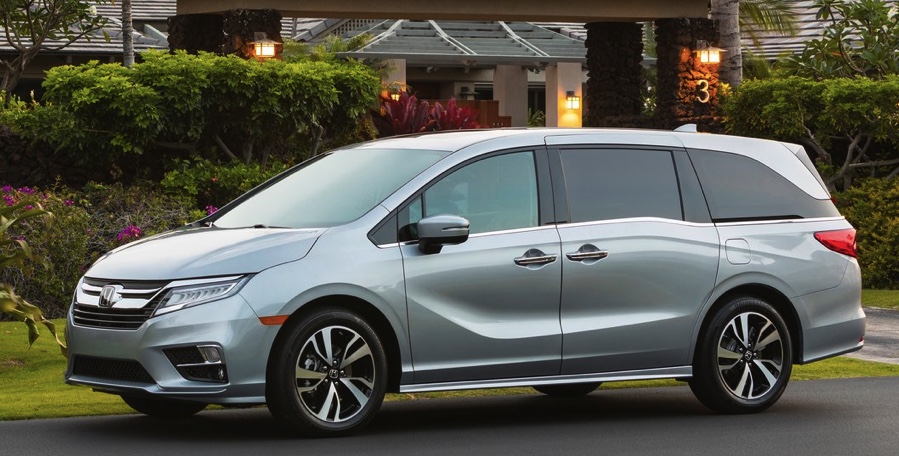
201	363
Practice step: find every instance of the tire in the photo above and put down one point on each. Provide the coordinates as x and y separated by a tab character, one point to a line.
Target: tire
163	408
567	390
743	359
328	376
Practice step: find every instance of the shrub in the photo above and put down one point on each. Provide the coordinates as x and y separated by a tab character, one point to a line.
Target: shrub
872	206
86	225
851	125
195	103
213	185
22	222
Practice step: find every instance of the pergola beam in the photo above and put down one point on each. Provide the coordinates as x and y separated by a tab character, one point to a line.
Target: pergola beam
581	11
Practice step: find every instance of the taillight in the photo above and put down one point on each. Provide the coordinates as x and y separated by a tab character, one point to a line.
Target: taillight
840	241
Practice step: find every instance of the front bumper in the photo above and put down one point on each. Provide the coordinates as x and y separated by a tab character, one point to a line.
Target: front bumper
115	357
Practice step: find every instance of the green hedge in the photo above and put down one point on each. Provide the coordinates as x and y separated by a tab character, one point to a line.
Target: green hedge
872	206
97	113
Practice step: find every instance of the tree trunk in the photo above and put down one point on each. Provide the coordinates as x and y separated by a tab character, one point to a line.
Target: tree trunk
727	13
127	35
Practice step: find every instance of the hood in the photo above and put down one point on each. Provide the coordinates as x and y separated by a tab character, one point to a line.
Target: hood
204	252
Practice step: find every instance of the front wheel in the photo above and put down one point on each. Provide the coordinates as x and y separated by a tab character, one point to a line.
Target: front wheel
744	358
328	376
163	408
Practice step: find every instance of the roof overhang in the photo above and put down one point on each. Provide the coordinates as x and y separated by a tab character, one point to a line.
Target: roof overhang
504	10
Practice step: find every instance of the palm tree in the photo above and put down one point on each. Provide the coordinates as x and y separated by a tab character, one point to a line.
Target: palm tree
127	35
752	16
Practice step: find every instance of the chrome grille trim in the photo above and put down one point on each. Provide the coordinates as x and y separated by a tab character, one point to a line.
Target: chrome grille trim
139	300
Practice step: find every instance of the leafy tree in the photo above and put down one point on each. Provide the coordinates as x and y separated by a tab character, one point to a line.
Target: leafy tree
861	39
851	125
32	26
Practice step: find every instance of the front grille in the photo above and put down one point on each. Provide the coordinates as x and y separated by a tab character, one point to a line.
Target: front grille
136	302
111	369
111	318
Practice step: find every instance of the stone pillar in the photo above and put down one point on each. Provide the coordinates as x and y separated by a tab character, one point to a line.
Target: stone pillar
510	88
687	90
241	27
196	32
615	71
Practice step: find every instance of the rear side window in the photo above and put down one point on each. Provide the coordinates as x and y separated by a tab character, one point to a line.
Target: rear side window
738	188
604	184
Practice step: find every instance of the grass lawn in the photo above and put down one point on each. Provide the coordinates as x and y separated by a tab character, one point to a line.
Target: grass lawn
31	380
884	299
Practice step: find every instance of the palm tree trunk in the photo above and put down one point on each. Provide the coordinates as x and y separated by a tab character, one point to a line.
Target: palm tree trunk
727	13
127	35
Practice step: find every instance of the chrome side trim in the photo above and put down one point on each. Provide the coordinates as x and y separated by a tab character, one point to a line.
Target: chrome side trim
776	222
647	374
634	220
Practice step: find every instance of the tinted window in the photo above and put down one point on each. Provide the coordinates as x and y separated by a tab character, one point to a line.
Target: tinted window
333	190
739	188
605	184
494	194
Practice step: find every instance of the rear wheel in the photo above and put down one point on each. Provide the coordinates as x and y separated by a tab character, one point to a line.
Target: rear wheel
163	408
744	359
567	390
328	376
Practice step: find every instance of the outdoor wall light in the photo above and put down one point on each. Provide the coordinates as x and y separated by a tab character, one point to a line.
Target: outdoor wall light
572	101
263	47
708	54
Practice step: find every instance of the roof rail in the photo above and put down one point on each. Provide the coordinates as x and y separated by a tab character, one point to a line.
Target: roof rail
688	128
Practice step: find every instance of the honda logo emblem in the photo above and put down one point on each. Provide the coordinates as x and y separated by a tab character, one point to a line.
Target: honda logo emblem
109	295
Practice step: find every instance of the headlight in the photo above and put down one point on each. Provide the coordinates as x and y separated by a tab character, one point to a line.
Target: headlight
189	293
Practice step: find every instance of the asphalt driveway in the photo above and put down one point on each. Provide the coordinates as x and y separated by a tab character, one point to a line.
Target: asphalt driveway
881	337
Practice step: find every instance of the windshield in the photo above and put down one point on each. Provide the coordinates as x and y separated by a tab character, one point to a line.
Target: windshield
335	189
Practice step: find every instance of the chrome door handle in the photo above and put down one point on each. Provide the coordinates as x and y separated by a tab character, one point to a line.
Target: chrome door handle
587	253
535	257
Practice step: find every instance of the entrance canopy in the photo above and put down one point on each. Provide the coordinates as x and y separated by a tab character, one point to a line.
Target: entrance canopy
444	43
478	10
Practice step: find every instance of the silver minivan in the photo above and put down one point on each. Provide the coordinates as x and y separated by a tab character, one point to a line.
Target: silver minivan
551	258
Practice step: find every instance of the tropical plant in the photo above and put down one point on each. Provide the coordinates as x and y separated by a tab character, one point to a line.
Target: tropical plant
408	115
33	26
454	117
861	39
14	250
734	16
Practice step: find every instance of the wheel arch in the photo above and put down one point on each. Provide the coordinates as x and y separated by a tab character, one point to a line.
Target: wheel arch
366	310
770	295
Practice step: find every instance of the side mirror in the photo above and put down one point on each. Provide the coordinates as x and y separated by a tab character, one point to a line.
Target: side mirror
438	230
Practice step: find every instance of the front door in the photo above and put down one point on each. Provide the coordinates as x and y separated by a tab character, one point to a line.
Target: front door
487	308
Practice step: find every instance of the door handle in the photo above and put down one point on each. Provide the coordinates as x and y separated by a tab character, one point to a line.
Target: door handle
535	257
588	253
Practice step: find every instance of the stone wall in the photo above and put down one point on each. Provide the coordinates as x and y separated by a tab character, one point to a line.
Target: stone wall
241	26
687	90
196	32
